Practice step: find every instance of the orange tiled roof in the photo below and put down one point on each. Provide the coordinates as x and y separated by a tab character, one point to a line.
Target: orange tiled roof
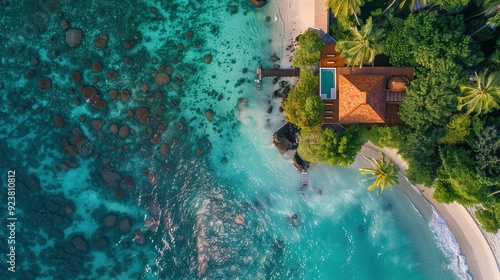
362	99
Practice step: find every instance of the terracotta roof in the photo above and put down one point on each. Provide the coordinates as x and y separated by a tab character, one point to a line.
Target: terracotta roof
362	99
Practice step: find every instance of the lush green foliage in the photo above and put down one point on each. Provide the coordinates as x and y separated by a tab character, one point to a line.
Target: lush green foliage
303	105
488	220
458	173
363	45
487	151
397	47
325	145
451	5
483	96
430	40
384	174
385	136
431	99
309	147
341	148
456	130
308	54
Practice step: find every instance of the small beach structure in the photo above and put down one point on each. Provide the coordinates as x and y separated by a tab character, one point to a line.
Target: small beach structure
305	180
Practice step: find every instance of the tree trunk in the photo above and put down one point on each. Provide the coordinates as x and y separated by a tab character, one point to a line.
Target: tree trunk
386	9
493	193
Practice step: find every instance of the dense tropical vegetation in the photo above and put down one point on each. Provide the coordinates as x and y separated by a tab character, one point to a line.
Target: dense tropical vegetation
451	137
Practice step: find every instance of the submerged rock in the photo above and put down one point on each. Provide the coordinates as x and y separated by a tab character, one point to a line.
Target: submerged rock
111	178
142	115
207	58
125	225
73	37
58	121
97	124
139	238
44	83
110	220
100	41
239	219
162	79
209	114
164	149
80	244
123	132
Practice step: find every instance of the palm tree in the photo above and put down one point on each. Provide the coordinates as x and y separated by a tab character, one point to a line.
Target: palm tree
363	46
412	4
384	173
345	7
484	96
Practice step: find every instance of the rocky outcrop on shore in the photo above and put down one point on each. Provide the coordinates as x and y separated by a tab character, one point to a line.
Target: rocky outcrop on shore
285	138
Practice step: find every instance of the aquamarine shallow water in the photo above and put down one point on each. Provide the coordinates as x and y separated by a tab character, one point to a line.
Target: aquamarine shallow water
214	170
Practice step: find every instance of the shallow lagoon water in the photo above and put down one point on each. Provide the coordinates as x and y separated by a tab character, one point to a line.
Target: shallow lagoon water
183	201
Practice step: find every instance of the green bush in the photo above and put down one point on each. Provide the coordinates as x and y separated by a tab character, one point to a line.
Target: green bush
488	220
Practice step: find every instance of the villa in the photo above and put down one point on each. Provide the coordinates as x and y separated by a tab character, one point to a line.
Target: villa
368	95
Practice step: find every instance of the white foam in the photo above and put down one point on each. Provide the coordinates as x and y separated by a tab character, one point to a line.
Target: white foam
446	242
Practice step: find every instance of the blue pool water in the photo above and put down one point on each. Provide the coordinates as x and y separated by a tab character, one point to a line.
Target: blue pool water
327	78
158	200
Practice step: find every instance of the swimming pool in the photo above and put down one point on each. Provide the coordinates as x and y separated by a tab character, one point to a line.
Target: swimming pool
328	89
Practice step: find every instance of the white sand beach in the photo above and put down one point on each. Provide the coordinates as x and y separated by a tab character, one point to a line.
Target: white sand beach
474	246
482	257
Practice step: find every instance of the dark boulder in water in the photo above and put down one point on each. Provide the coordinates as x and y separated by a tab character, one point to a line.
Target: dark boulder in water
110	220
97	124
113	128
111	178
189	33
96	67
162	79
123	132
80	244
101	242
209	114
125	225
58	121
73	37
139	238
164	149
207	58
142	115
44	83
281	143
64	24
100	41
76	77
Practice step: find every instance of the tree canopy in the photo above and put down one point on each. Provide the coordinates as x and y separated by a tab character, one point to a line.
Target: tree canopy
303	105
363	45
307	54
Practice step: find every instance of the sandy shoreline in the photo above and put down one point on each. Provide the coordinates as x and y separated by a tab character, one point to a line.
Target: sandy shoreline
473	244
298	16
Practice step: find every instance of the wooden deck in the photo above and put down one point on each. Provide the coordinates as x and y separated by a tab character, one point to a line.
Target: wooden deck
259	73
281	72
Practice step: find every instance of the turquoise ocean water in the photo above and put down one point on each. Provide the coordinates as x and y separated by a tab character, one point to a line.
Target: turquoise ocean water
160	201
